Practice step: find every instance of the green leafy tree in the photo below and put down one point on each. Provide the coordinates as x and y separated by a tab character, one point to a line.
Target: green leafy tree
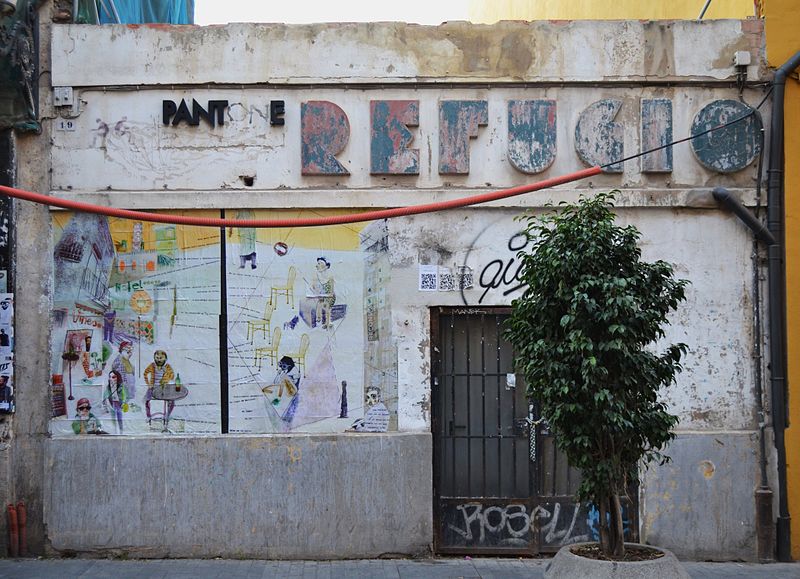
585	333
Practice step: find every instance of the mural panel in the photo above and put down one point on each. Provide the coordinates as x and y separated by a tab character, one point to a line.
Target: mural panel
297	325
135	340
138	321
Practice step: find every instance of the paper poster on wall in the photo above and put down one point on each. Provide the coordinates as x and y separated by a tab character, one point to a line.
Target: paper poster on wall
297	325
135	335
6	353
136	339
428	278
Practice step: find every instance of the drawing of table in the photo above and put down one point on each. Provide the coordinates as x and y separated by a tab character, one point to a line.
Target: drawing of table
168	393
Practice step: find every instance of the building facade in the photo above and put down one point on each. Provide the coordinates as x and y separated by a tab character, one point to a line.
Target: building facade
344	390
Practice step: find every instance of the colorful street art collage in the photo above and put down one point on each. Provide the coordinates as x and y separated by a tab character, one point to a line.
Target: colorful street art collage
296	328
136	328
6	353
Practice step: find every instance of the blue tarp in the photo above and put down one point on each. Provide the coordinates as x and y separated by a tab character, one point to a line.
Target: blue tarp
135	12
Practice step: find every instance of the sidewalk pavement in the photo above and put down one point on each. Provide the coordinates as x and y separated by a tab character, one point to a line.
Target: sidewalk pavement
483	568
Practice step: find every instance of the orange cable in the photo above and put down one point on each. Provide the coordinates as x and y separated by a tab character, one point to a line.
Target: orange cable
306	222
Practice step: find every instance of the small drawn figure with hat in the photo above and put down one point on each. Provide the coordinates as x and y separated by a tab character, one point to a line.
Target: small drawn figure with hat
124	367
85	422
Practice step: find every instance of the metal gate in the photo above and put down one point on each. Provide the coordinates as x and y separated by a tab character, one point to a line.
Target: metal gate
500	484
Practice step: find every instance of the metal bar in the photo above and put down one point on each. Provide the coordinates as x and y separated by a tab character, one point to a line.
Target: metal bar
515	442
703	11
452	400
224	393
469	418
483	407
114	10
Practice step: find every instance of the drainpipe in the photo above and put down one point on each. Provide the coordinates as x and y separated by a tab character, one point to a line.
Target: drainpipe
777	302
765	526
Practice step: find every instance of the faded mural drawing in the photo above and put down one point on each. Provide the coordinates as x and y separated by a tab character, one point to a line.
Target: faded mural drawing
136	328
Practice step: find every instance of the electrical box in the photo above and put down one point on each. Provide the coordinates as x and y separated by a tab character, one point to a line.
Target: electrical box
62	96
741	58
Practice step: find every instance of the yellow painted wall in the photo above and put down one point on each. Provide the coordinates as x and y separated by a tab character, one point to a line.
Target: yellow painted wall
489	11
782	18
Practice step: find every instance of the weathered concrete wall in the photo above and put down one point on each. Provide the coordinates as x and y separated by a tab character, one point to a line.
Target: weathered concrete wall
715	390
281	497
701	504
32	313
367	495
340	53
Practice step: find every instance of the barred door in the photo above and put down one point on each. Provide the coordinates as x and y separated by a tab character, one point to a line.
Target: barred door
500	484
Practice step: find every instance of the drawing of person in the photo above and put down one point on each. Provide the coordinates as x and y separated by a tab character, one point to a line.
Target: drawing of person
123	366
5	392
85	422
376	418
86	359
5	339
100	133
247	240
116	396
6	312
286	380
161	373
324	290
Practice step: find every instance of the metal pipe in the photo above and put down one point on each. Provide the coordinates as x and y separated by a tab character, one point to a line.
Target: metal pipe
777	300
703	12
732	204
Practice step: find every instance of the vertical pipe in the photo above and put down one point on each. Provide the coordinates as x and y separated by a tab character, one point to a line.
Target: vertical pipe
777	300
22	522
224	394
13	531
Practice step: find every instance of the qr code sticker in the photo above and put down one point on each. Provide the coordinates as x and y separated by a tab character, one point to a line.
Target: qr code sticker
447	281
427	282
465	278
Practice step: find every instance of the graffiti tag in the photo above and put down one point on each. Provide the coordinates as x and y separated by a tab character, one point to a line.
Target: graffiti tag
504	273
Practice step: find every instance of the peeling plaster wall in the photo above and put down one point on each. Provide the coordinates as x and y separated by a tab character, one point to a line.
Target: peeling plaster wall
368	482
395	52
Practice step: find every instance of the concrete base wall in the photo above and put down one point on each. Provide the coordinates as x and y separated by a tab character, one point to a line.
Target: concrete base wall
280	497
701	505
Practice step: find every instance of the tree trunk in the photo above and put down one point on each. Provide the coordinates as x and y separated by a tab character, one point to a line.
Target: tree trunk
605	536
617	530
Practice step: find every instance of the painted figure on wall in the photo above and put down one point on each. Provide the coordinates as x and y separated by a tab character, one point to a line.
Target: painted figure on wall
124	367
6	312
324	292
376	418
158	372
284	392
87	361
247	240
115	396
85	422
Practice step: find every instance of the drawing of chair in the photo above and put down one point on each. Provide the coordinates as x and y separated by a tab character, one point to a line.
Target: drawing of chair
270	351
287	290
262	324
299	357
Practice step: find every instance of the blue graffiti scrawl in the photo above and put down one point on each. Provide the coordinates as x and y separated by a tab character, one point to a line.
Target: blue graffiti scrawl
593	522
